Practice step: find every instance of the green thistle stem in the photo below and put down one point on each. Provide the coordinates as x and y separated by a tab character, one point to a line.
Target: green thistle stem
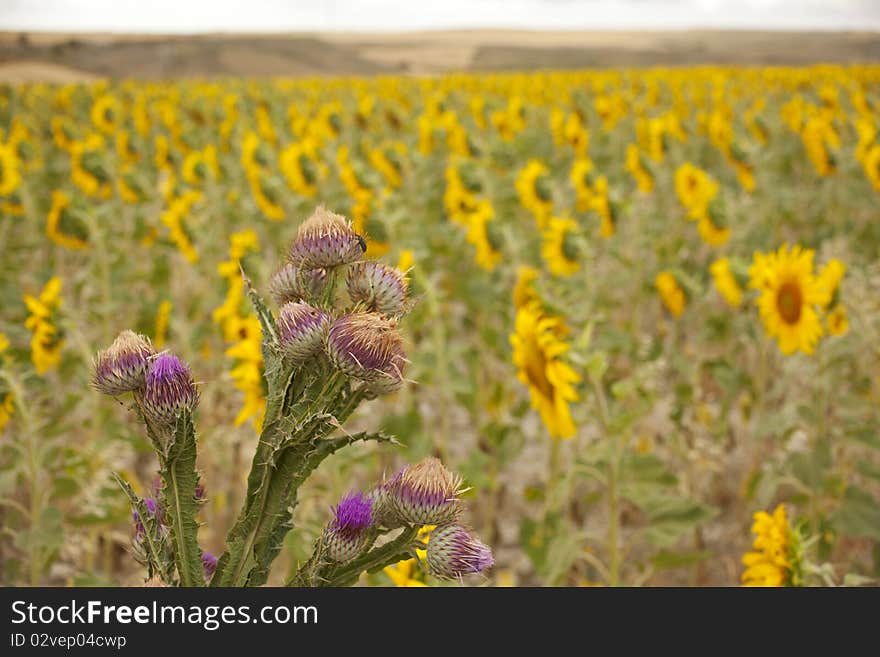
345	574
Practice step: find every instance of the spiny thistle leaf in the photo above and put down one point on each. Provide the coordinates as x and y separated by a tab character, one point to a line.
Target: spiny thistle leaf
180	478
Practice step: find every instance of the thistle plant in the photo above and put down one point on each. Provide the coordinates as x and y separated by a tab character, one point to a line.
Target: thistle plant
333	344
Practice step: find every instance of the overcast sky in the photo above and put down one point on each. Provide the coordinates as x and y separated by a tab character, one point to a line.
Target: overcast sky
397	15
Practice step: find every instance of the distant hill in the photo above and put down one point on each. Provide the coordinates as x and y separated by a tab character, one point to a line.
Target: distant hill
56	57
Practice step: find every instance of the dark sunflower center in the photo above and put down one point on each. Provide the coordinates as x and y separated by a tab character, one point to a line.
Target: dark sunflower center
569	247
542	188
789	301
494	236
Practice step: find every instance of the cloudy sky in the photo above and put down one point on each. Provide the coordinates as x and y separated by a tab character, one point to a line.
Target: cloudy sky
395	15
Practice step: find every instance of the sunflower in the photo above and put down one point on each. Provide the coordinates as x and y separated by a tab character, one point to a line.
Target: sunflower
10	173
105	113
482	232
46	339
581	177
871	164
867	132
726	283
388	163
535	195
266	196
160	327
745	175
602	205
62	227
7	401
695	189
713	235
127	186
299	170
404	574
124	149
776	556
523	291
247	370
836	321
670	293
639	170
819	137
790	295
199	166
457	199
829	278
88	170
575	134
560	249
537	348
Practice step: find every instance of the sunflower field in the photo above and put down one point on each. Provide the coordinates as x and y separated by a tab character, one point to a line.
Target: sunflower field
645	322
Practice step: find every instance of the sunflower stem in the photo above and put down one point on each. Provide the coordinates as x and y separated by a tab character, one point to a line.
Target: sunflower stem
612	485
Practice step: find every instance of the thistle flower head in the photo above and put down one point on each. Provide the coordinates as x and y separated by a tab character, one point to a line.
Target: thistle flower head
169	389
384	513
326	239
453	552
426	493
380	287
302	329
122	367
346	535
353	514
209	564
368	347
292	283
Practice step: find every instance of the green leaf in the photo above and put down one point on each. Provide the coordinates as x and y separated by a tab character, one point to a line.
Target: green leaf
867	437
180	480
811	467
671	517
858	515
536	537
647	468
666	559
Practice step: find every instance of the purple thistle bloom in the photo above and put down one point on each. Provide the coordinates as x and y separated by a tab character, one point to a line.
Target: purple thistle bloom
378	286
209	563
169	389
121	367
302	330
426	493
367	346
346	535
453	552
326	240
353	514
